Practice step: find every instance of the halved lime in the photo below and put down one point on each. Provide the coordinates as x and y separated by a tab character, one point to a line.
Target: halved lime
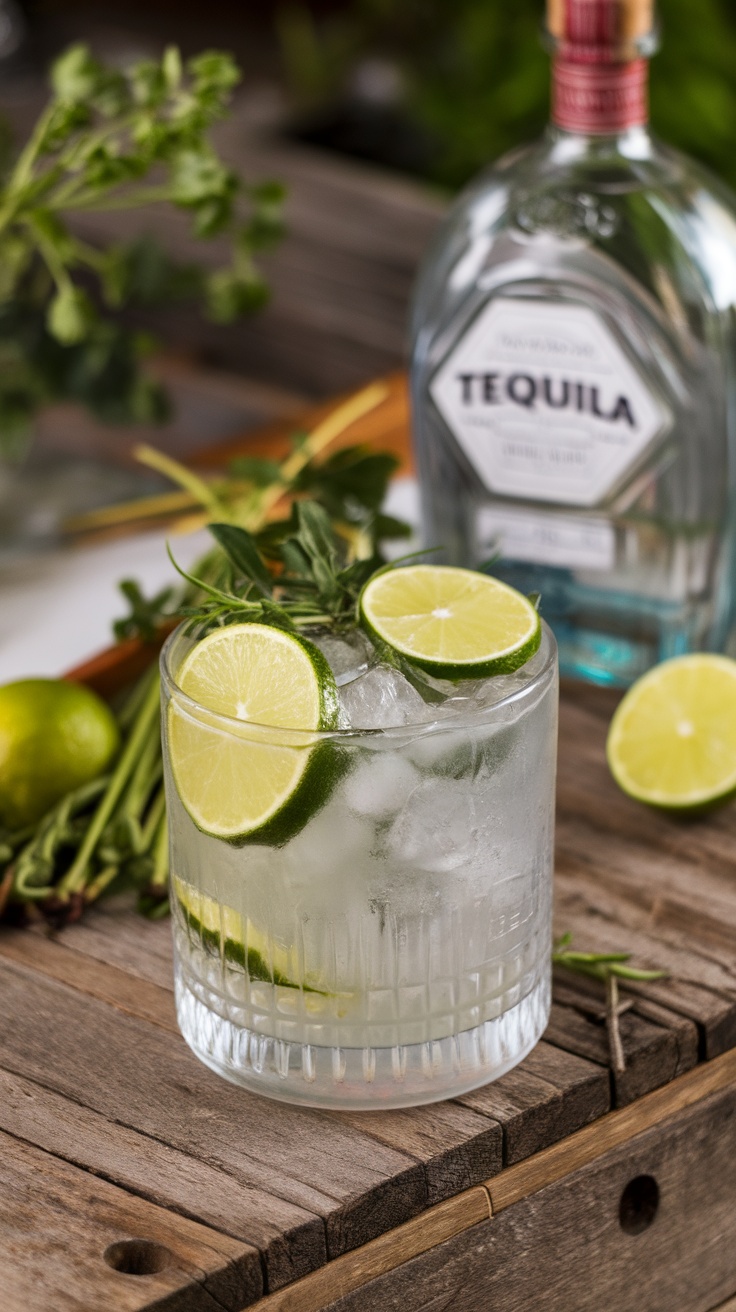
453	623
672	740
249	786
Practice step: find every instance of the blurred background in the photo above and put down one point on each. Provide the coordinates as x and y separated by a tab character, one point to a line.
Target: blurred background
372	113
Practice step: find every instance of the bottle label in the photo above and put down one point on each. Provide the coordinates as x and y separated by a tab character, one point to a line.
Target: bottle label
545	404
599	98
542	537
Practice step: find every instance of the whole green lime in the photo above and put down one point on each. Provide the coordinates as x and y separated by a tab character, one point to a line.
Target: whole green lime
54	736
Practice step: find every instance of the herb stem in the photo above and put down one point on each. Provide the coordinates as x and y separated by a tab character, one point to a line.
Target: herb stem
325	432
613	1011
202	491
160	874
156	812
122	201
75	877
101	882
23	170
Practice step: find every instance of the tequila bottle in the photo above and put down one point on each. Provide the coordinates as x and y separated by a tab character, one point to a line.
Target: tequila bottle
574	367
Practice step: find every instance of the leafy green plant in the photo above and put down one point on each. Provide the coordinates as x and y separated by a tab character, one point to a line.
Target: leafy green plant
111	140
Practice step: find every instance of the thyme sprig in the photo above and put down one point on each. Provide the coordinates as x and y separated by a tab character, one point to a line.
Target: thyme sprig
608	968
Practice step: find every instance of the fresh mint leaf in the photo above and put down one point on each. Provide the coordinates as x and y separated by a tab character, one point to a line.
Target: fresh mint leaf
242	552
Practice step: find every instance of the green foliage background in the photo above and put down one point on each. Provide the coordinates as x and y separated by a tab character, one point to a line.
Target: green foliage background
477	78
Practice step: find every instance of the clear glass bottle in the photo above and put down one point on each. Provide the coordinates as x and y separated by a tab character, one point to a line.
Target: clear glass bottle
574	367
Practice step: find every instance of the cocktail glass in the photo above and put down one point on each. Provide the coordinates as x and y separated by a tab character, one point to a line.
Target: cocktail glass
395	949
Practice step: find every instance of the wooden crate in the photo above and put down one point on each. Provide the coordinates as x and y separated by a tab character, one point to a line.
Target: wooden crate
133	1178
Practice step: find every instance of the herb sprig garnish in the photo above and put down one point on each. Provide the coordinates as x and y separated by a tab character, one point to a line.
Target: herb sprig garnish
608	968
113	834
308	578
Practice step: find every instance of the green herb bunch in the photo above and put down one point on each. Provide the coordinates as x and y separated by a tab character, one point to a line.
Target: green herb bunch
114	140
304	567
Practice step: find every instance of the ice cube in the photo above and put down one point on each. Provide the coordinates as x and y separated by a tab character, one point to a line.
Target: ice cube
439	827
382	699
349	654
379	785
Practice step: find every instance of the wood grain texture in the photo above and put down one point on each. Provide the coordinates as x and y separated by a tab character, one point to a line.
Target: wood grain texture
289	1160
58	1222
612	1131
56	959
552	1094
171	1178
353	1271
554	1223
564	1248
456	1147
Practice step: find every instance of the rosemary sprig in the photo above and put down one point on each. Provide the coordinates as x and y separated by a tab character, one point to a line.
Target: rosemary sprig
608	968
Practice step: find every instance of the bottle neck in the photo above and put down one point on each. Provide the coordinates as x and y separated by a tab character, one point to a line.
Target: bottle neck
591	98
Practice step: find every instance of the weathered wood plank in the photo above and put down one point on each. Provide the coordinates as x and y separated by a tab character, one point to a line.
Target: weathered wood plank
59	1222
55	959
613	1131
547	1210
552	1094
567	1250
171	1178
651	1052
588	997
658	886
145	1078
456	1147
696	986
354	1270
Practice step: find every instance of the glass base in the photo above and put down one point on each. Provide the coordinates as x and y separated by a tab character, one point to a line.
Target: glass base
362	1078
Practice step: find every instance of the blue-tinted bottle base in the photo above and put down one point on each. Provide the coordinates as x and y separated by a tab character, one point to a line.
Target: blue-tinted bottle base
609	638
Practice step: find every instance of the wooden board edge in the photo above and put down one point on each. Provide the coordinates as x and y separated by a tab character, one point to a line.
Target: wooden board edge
610	1131
349	1272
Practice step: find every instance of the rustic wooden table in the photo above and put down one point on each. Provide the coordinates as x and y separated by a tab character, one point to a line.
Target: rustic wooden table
133	1178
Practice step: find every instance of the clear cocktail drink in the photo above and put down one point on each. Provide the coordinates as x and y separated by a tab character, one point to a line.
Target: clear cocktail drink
391	944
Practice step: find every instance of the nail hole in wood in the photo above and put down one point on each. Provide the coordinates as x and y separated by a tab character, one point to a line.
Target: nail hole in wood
137	1257
639	1203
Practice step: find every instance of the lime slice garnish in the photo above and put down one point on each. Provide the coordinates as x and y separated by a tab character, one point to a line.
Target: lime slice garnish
453	623
672	740
252	786
223	931
221	928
